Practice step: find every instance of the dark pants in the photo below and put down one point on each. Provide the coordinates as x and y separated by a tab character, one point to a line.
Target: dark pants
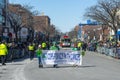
40	62
3	59
31	54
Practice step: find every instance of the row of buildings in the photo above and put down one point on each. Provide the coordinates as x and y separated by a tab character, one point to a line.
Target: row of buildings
18	22
94	32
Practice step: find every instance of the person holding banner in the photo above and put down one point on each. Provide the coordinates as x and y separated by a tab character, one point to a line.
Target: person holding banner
81	53
54	47
39	55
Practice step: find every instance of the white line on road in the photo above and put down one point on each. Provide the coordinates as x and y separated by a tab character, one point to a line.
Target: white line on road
19	72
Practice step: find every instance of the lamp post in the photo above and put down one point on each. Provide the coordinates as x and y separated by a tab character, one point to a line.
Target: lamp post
88	36
94	34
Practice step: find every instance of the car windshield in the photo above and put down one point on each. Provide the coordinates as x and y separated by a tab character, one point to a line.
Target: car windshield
65	40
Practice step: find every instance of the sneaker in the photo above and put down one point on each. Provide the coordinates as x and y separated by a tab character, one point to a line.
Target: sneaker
55	66
40	66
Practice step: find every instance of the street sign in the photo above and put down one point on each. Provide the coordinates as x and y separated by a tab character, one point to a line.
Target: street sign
118	32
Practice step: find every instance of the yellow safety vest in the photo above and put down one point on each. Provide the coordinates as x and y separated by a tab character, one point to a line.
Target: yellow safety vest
79	44
3	49
43	45
31	48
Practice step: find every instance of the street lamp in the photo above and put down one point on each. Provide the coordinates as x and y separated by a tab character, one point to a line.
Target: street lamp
94	33
88	35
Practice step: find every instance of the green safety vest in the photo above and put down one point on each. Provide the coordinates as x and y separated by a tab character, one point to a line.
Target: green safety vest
39	52
53	48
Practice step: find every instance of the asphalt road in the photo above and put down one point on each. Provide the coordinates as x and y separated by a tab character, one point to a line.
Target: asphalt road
95	67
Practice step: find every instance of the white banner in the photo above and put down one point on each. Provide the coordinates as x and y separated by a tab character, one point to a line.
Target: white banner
61	57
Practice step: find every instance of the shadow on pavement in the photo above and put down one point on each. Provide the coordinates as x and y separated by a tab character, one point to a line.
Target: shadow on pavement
87	66
16	64
84	66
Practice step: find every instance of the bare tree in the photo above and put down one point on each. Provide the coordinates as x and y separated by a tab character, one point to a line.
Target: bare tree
106	12
20	16
15	22
49	31
31	9
73	34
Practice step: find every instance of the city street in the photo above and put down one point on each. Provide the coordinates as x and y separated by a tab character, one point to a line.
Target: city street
95	67
53	33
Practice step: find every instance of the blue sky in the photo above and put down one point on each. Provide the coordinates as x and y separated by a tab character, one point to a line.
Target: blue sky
64	14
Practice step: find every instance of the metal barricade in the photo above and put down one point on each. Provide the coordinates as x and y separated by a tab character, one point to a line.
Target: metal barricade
118	53
103	50
98	49
106	51
111	52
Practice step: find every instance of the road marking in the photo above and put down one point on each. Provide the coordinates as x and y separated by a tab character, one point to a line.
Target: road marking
19	72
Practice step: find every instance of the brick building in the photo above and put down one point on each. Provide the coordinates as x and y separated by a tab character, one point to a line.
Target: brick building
41	23
93	32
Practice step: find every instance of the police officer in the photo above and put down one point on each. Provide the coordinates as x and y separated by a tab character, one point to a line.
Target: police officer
31	49
3	52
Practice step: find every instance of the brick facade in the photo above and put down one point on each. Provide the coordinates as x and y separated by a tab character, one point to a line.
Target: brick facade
41	23
93	31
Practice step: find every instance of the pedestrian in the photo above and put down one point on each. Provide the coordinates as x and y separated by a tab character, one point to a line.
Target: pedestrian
54	47
39	55
3	52
31	49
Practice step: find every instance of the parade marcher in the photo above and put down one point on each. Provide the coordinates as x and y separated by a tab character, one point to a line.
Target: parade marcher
3	52
54	47
39	55
81	53
31	49
43	45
